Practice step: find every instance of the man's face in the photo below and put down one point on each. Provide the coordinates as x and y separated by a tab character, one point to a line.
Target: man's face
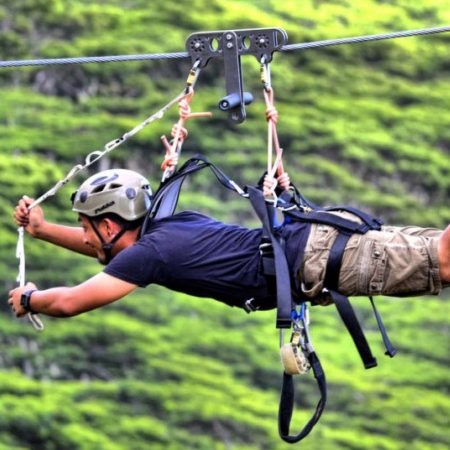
91	238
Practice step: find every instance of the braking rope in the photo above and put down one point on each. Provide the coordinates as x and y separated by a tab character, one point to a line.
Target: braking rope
90	159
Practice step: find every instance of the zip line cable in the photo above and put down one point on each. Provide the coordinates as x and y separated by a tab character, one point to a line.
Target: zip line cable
93	59
368	38
182	55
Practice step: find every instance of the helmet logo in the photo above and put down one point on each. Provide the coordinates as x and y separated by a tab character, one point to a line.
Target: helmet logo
103	207
105	179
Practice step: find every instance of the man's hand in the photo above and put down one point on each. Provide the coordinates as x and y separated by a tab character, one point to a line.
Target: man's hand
32	220
270	184
14	299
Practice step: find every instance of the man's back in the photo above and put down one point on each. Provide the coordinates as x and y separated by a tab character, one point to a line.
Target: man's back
197	255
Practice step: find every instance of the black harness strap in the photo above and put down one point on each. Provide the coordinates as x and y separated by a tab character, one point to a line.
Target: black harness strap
325	218
390	349
342	303
351	322
171	195
282	273
286	407
284	320
334	262
374	223
165	199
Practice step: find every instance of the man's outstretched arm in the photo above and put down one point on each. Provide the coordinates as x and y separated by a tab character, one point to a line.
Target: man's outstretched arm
98	291
35	224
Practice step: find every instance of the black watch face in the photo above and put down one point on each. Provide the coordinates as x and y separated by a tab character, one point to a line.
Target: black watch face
25	300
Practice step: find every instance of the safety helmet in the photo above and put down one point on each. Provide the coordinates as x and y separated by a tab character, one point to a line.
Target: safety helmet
119	191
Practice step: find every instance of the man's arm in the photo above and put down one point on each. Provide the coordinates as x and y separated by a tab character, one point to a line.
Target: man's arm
35	224
98	291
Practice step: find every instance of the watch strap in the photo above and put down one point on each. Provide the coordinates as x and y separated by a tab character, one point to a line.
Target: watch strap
25	300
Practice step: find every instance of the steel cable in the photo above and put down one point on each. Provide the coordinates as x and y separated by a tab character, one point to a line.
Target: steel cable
182	55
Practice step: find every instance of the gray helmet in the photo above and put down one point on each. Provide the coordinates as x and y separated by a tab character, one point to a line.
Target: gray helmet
119	191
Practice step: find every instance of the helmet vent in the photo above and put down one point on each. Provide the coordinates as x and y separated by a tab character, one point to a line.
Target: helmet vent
98	189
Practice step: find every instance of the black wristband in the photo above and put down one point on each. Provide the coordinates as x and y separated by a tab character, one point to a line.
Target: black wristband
25	300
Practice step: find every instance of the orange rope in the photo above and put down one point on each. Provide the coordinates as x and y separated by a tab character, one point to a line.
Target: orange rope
273	168
179	133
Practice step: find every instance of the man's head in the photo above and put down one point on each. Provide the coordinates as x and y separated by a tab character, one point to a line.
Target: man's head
117	196
120	191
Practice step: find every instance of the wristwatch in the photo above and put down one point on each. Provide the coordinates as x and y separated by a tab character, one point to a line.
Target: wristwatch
25	300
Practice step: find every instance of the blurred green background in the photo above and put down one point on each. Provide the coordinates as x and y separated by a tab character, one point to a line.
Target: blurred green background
365	124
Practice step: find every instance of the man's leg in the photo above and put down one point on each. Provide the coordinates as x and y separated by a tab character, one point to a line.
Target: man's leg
444	256
396	261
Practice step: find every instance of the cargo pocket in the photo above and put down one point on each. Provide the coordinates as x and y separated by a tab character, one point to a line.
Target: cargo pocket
377	272
408	270
313	268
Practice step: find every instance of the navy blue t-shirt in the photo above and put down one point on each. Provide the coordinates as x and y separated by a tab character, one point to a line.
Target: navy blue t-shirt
195	254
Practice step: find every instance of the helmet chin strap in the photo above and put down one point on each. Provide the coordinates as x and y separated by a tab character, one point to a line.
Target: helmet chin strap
107	246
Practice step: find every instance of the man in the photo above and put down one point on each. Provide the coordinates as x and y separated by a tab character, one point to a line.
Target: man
195	254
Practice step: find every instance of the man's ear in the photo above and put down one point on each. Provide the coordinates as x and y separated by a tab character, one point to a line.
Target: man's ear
111	227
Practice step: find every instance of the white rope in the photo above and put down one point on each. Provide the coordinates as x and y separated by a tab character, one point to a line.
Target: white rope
94	156
20	254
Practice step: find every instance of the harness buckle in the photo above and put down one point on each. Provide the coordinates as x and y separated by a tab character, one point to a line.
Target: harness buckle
267	259
266	249
249	306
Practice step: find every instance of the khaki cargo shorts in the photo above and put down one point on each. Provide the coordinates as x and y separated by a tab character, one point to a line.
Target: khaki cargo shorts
396	261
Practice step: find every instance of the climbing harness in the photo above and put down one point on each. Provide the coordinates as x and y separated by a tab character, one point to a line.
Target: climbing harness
298	356
90	159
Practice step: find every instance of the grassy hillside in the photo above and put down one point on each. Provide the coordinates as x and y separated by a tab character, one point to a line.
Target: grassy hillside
365	124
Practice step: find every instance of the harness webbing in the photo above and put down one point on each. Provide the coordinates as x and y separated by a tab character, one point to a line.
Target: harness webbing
390	349
282	273
165	199
351	322
335	260
287	398
304	211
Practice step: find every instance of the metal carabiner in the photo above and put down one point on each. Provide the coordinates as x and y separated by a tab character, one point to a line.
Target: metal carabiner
193	76
265	74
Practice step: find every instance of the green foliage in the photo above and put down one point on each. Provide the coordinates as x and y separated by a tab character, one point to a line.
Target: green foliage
160	370
365	124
